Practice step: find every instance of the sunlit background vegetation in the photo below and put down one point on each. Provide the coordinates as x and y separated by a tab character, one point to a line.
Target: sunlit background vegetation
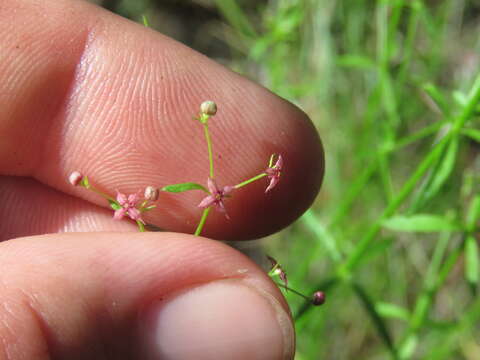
393	89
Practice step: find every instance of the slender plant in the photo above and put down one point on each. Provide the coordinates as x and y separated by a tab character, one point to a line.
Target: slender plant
133	205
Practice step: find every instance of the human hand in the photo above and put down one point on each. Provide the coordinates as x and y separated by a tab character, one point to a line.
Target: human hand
83	89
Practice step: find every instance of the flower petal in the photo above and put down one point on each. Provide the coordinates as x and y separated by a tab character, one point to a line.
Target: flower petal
221	207
134	213
119	214
273	182
207	201
227	190
132	199
121	198
212	186
279	164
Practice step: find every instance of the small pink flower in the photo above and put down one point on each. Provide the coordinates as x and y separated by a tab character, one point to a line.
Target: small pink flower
128	207
274	173
278	270
216	197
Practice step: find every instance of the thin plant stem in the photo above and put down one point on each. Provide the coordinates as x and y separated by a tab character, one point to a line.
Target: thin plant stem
246	182
209	145
292	290
205	213
102	194
141	227
199	229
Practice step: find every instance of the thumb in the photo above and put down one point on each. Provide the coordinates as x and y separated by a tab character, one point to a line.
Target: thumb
137	296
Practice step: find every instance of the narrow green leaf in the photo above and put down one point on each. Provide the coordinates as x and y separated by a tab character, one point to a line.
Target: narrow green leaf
237	18
377	320
473	213
114	205
392	311
356	61
473	134
460	98
421	223
408	347
436	95
145	21
377	248
445	168
322	235
148	208
471	261
85	182
177	188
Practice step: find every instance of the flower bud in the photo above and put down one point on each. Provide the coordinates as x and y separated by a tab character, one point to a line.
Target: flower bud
318	298
75	178
151	193
208	108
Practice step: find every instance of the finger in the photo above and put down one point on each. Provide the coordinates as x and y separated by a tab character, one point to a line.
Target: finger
87	90
34	208
137	296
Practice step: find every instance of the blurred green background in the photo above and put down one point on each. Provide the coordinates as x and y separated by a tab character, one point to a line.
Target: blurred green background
393	89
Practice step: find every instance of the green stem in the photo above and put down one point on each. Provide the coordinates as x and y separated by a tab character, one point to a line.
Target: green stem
141	227
469	109
202	221
108	197
209	145
355	189
408	187
271	273
205	213
246	182
293	290
344	270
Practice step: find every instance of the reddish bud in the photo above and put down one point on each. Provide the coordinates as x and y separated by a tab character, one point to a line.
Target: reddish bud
151	193
75	178
318	298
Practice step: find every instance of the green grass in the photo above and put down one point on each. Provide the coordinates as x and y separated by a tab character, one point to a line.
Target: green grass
393	89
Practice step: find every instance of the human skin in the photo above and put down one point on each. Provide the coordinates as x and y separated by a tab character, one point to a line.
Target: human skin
83	89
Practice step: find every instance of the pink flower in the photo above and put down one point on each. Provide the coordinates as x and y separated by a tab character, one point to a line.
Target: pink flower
278	270
128	207
216	197
274	173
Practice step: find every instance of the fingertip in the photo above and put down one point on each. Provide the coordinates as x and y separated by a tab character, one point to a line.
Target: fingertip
88	293
124	120
216	321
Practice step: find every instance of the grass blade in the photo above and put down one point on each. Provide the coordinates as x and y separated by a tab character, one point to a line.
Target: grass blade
471	262
236	17
377	320
421	223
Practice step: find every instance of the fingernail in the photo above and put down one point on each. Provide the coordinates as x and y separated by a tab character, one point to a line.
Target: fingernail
226	319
